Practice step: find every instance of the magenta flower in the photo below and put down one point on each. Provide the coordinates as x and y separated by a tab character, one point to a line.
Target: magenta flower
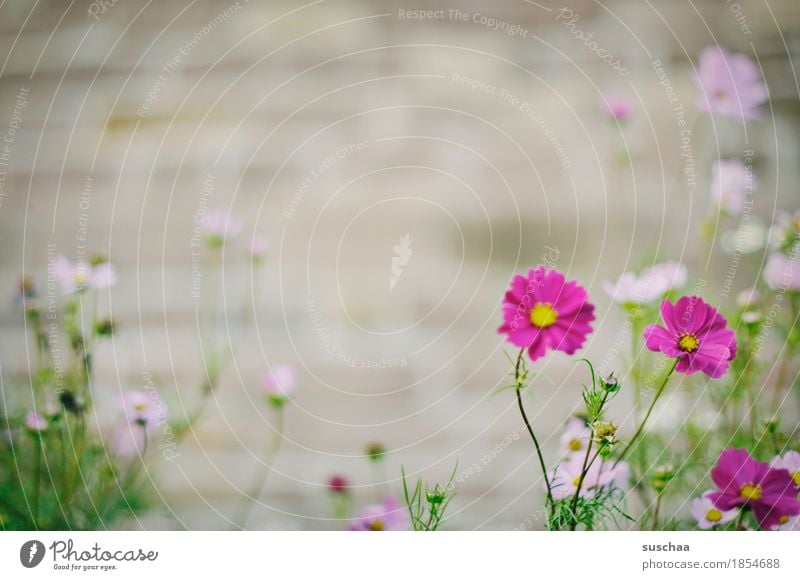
744	482
708	515
791	462
696	334
383	517
338	484
618	107
81	275
731	84
544	311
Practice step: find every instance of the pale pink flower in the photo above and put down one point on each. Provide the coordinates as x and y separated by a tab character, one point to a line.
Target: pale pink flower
576	436
652	285
258	248
144	409
81	275
279	382
35	423
731	84
709	516
782	271
731	183
601	475
383	517
220	227
788	524
748	298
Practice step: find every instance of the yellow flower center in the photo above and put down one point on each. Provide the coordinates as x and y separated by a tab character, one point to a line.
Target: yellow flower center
750	492
139	407
543	315
577	481
784	519
713	515
575	445
796	476
376	526
688	342
80	278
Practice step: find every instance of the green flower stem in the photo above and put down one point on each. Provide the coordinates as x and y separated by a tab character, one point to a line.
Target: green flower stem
656	510
37	479
518	389
242	511
647	415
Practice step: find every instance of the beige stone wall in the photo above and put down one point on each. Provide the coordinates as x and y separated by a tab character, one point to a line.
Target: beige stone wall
484	146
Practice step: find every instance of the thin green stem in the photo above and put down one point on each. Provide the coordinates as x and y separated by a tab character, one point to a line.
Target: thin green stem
656	510
647	415
518	389
260	480
37	480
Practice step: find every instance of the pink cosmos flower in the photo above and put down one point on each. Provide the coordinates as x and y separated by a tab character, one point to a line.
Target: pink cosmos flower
790	462
35	423
279	382
652	285
731	84
80	275
129	440
707	515
338	484
782	271
143	409
744	482
618	107
258	248
565	478
732	181
383	517
787	524
220	227
696	334
542	310
576	436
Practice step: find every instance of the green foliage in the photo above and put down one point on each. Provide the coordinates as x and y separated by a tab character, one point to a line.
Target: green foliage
427	505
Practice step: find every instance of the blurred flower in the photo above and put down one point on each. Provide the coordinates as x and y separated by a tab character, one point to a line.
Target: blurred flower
791	462
35	423
744	482
707	515
129	440
338	484
220	227
785	231
732	85
383	517
618	107
696	334
258	249
748	237
662	477
576	436
27	292
279	383
375	452
732	181
542	310
566	477
782	271
652	285
142	408
749	298
70	402
80	275
104	327
604	432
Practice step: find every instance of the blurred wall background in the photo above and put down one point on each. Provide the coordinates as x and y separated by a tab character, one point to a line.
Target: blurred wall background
336	129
